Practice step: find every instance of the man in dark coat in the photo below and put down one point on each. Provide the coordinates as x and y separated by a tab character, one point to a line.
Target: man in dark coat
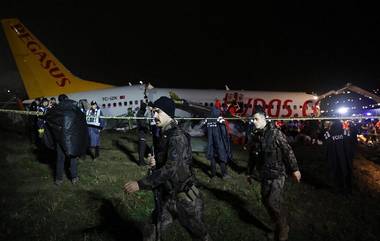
67	124
273	158
339	155
219	147
172	179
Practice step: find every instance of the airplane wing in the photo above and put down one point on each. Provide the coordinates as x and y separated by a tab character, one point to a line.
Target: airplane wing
193	108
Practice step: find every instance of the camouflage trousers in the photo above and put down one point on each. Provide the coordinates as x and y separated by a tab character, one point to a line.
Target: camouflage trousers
272	198
189	214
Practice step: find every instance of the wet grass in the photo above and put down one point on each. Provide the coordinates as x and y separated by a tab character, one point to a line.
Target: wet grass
33	208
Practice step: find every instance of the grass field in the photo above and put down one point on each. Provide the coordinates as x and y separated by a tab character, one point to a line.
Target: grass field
33	208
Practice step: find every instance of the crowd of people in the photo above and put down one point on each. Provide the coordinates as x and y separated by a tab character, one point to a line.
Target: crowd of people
73	129
68	128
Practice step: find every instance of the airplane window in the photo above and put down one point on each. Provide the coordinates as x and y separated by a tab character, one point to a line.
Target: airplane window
206	104
114	104
300	106
130	102
104	106
125	103
109	105
136	102
120	104
211	104
294	107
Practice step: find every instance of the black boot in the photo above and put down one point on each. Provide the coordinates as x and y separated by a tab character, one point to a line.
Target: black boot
96	152
142	149
91	152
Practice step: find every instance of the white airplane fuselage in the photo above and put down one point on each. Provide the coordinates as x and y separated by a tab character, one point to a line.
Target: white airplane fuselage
116	101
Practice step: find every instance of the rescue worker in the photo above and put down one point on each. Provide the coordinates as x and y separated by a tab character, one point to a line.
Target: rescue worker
143	129
42	108
95	124
172	178
67	125
45	149
219	147
33	127
34	105
130	121
52	102
340	151
83	105
273	157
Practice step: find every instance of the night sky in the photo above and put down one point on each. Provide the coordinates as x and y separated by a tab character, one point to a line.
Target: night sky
294	47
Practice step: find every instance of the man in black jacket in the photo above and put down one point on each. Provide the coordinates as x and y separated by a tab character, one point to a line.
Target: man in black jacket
340	148
273	157
172	179
67	124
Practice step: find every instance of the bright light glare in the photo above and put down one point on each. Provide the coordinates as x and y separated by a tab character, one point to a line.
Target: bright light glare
342	110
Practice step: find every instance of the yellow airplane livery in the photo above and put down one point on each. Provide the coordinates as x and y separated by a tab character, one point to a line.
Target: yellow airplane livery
41	72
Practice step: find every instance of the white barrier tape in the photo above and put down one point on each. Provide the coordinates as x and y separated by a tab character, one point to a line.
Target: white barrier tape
23	112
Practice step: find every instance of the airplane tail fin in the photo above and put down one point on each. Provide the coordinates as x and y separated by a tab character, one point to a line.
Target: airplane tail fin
40	70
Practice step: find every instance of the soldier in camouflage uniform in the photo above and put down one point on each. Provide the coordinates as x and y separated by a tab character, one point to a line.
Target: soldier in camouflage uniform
272	157
172	179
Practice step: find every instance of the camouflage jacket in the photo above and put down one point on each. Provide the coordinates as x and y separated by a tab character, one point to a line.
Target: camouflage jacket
173	162
273	156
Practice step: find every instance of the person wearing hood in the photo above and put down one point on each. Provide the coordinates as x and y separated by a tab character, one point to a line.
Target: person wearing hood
339	155
219	146
68	129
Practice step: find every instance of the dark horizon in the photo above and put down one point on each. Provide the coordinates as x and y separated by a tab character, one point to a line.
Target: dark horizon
299	47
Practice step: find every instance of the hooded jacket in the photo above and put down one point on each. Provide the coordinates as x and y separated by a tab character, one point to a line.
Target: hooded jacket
68	126
218	140
338	154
